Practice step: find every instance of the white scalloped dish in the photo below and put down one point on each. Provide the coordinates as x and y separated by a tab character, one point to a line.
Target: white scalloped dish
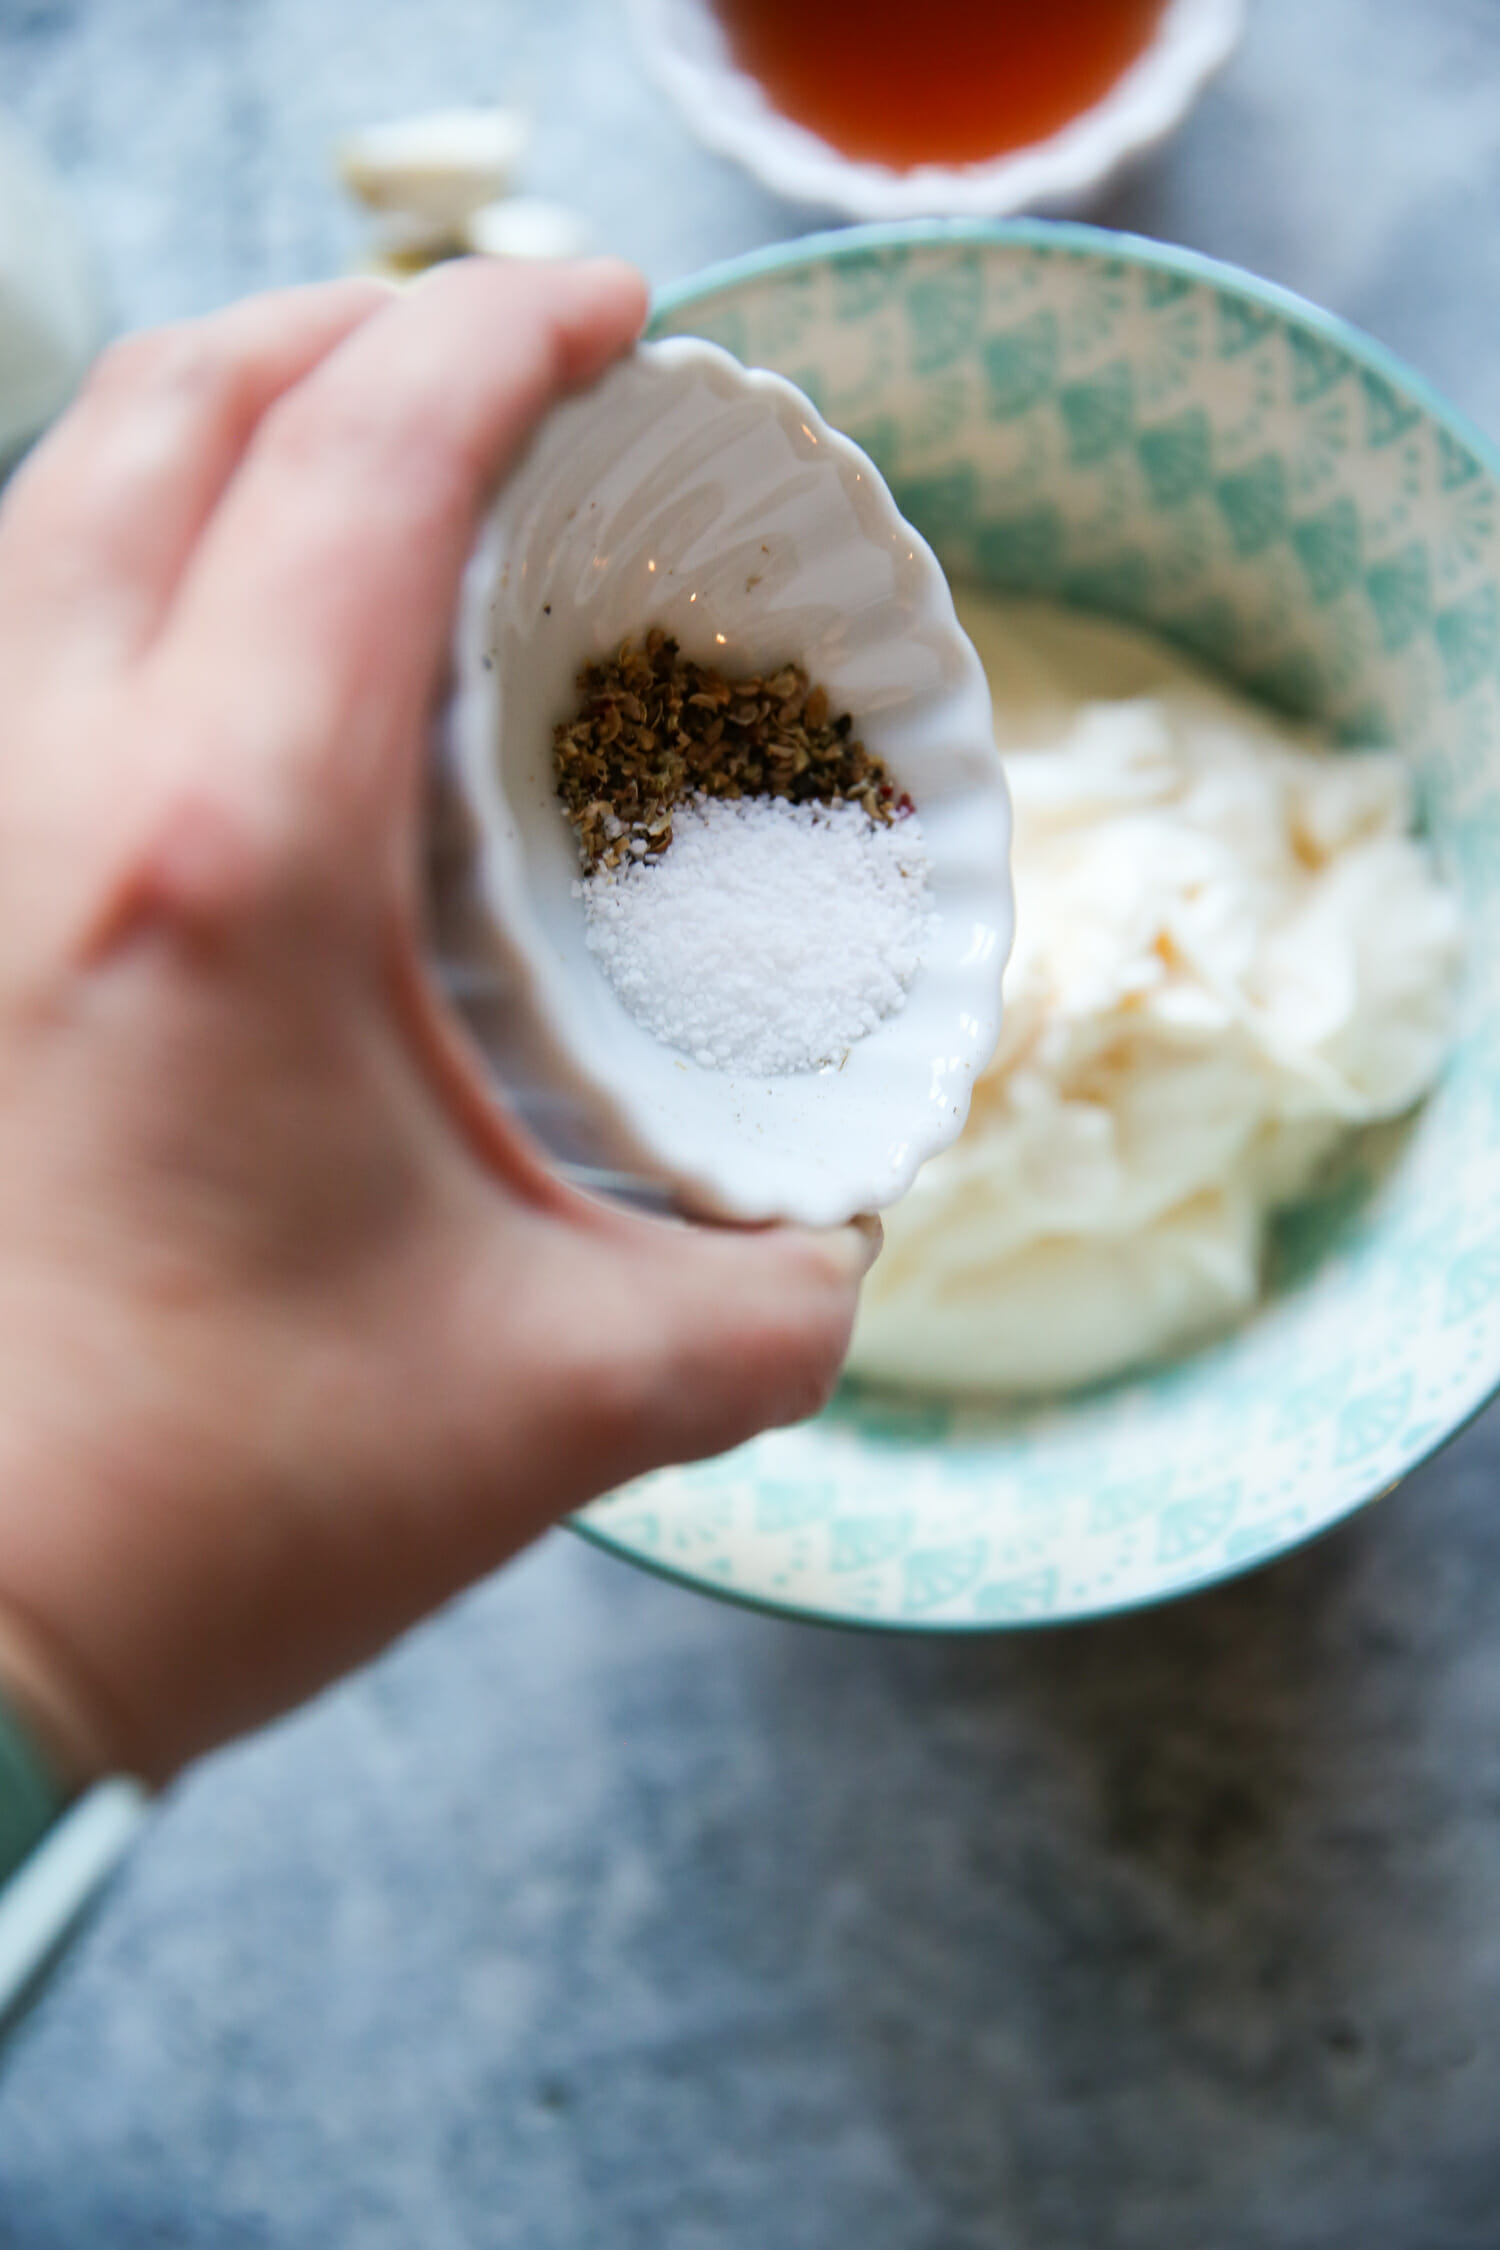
688	53
687	492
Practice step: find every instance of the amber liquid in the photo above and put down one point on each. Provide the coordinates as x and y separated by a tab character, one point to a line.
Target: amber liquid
906	82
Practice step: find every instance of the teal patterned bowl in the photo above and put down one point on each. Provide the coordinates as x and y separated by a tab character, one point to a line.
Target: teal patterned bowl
1137	430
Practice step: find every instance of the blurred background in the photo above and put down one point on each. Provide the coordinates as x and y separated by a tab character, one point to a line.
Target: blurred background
597	1913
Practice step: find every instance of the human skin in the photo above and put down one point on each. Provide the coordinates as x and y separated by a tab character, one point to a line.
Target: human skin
297	1334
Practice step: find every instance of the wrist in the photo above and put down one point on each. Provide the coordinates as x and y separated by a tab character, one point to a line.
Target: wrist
37	1685
58	1845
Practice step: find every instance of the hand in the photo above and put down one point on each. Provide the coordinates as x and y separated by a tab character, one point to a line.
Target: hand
297	1335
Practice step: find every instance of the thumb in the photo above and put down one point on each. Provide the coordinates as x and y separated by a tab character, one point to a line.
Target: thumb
633	1343
749	1332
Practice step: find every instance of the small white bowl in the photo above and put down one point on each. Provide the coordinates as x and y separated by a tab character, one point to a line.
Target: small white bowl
686	50
687	492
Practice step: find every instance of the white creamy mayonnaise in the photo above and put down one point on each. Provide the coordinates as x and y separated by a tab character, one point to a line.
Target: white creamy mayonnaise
1230	952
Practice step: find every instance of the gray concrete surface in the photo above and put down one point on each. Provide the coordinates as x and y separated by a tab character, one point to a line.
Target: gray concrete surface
599	1915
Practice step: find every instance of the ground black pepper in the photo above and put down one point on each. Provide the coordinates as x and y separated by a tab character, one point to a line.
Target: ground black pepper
654	730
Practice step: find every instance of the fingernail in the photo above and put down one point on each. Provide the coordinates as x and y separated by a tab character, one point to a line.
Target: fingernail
857	1245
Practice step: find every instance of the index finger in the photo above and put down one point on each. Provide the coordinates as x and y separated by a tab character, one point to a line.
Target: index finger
322	593
104	514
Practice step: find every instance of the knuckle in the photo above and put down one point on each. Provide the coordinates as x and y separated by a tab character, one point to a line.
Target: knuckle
612	1395
671	1372
332	440
798	1368
190	361
306	430
204	865
123	366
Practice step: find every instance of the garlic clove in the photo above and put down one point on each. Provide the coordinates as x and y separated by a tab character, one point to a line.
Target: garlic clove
526	227
436	167
396	261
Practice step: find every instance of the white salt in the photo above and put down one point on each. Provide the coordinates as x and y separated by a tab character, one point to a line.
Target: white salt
768	937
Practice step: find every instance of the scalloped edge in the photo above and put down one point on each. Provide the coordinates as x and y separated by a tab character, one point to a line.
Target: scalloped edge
686	54
557	1058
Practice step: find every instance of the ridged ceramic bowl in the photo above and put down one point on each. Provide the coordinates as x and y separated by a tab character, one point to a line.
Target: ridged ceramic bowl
1132	429
687	492
685	48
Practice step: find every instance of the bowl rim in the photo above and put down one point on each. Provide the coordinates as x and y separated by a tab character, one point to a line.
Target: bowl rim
1083	240
975	1628
1080	238
1137	111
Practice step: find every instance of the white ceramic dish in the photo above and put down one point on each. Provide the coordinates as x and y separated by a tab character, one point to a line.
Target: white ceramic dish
685	49
688	492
